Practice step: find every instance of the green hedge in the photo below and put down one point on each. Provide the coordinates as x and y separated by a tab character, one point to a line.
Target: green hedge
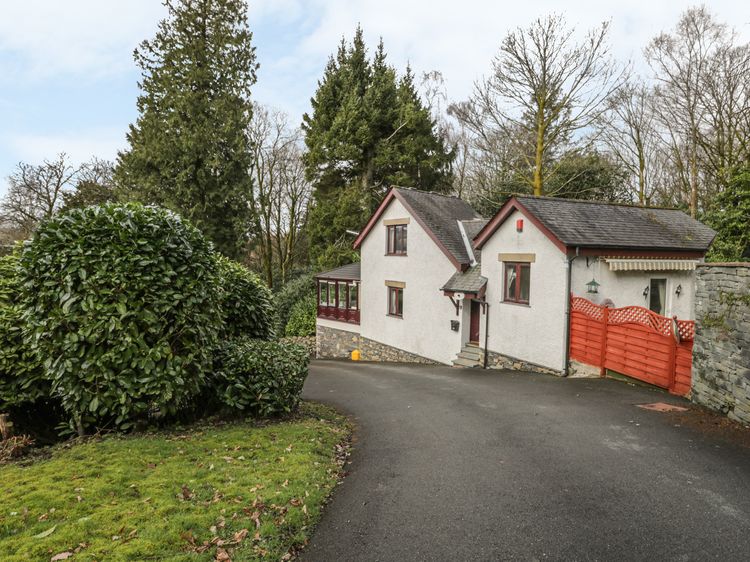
246	303
122	302
302	319
258	377
290	294
21	375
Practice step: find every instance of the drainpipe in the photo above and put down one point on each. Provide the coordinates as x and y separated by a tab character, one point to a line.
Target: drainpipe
569	273
486	329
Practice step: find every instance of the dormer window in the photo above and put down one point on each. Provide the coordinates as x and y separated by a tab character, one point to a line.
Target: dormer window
396	240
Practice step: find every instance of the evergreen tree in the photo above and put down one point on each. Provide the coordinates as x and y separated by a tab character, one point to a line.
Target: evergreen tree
368	130
189	148
729	216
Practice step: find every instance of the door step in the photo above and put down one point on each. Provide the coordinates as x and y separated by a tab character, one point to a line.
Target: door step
470	356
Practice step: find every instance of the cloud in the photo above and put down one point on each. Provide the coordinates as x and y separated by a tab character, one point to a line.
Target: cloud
460	38
74	37
79	145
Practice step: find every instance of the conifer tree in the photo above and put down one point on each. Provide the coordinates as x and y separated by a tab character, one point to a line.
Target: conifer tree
368	130
189	147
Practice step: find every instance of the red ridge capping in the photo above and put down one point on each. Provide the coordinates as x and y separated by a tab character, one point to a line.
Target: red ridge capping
511	205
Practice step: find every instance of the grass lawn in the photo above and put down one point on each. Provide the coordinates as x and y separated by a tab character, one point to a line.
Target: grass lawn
209	492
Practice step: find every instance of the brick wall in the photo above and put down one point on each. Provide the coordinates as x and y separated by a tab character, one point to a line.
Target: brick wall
721	354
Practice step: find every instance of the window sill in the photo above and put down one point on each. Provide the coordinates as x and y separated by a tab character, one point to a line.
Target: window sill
396	255
523	304
399	316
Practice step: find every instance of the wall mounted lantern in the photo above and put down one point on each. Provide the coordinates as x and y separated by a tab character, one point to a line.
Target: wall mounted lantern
678	290
645	292
592	286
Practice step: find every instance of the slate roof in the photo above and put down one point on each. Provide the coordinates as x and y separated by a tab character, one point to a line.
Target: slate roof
350	271
607	225
469	281
439	213
472	228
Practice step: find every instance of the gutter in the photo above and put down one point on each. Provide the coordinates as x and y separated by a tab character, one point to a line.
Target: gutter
569	273
486	328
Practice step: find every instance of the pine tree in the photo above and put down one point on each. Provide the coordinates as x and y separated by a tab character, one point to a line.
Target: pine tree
367	130
189	147
729	215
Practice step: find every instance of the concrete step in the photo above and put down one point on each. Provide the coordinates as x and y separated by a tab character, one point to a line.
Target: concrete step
470	354
461	362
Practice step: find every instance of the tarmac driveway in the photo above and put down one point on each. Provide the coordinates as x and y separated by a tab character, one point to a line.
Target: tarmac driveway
453	464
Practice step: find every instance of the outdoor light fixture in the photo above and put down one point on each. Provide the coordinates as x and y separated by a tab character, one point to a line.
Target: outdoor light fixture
645	292
678	290
592	286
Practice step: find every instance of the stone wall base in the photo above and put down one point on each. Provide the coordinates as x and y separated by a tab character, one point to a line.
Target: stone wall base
499	361
339	344
375	351
335	344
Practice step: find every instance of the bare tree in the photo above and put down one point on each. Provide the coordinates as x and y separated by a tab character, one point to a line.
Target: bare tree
546	85
680	62
290	205
725	97
94	185
281	191
629	131
35	193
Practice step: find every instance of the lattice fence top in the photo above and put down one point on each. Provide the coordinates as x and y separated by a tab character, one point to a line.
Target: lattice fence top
642	316
686	329
635	315
579	304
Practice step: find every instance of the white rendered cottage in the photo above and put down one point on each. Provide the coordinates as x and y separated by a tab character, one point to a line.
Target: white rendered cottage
437	283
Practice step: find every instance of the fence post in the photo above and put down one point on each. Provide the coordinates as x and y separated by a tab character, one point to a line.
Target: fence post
673	354
603	357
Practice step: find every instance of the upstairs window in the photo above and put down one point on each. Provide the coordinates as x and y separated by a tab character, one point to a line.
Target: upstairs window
396	240
517	282
395	301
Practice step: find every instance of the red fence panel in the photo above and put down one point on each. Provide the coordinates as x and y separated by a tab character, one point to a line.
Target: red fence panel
633	341
587	332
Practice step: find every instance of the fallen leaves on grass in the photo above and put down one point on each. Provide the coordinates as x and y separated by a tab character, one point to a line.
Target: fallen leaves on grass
46	533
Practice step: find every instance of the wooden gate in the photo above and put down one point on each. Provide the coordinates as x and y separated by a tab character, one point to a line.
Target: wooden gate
633	341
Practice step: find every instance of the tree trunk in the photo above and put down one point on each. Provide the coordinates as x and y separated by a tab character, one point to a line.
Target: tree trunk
693	181
6	427
538	183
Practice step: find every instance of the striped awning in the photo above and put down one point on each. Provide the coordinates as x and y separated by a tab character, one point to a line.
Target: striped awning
645	264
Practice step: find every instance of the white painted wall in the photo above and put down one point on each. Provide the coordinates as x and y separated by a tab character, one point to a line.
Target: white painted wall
536	332
625	288
336	325
425	327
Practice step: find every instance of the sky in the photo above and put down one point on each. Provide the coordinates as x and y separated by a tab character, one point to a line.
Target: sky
68	82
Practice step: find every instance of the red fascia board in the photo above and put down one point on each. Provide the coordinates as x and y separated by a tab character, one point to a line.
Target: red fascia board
374	219
505	211
636	253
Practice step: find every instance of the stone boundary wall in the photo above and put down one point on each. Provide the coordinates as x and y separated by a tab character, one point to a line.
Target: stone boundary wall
375	351
335	344
721	351
499	361
331	343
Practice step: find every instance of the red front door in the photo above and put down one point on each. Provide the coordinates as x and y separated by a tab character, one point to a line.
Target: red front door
474	323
